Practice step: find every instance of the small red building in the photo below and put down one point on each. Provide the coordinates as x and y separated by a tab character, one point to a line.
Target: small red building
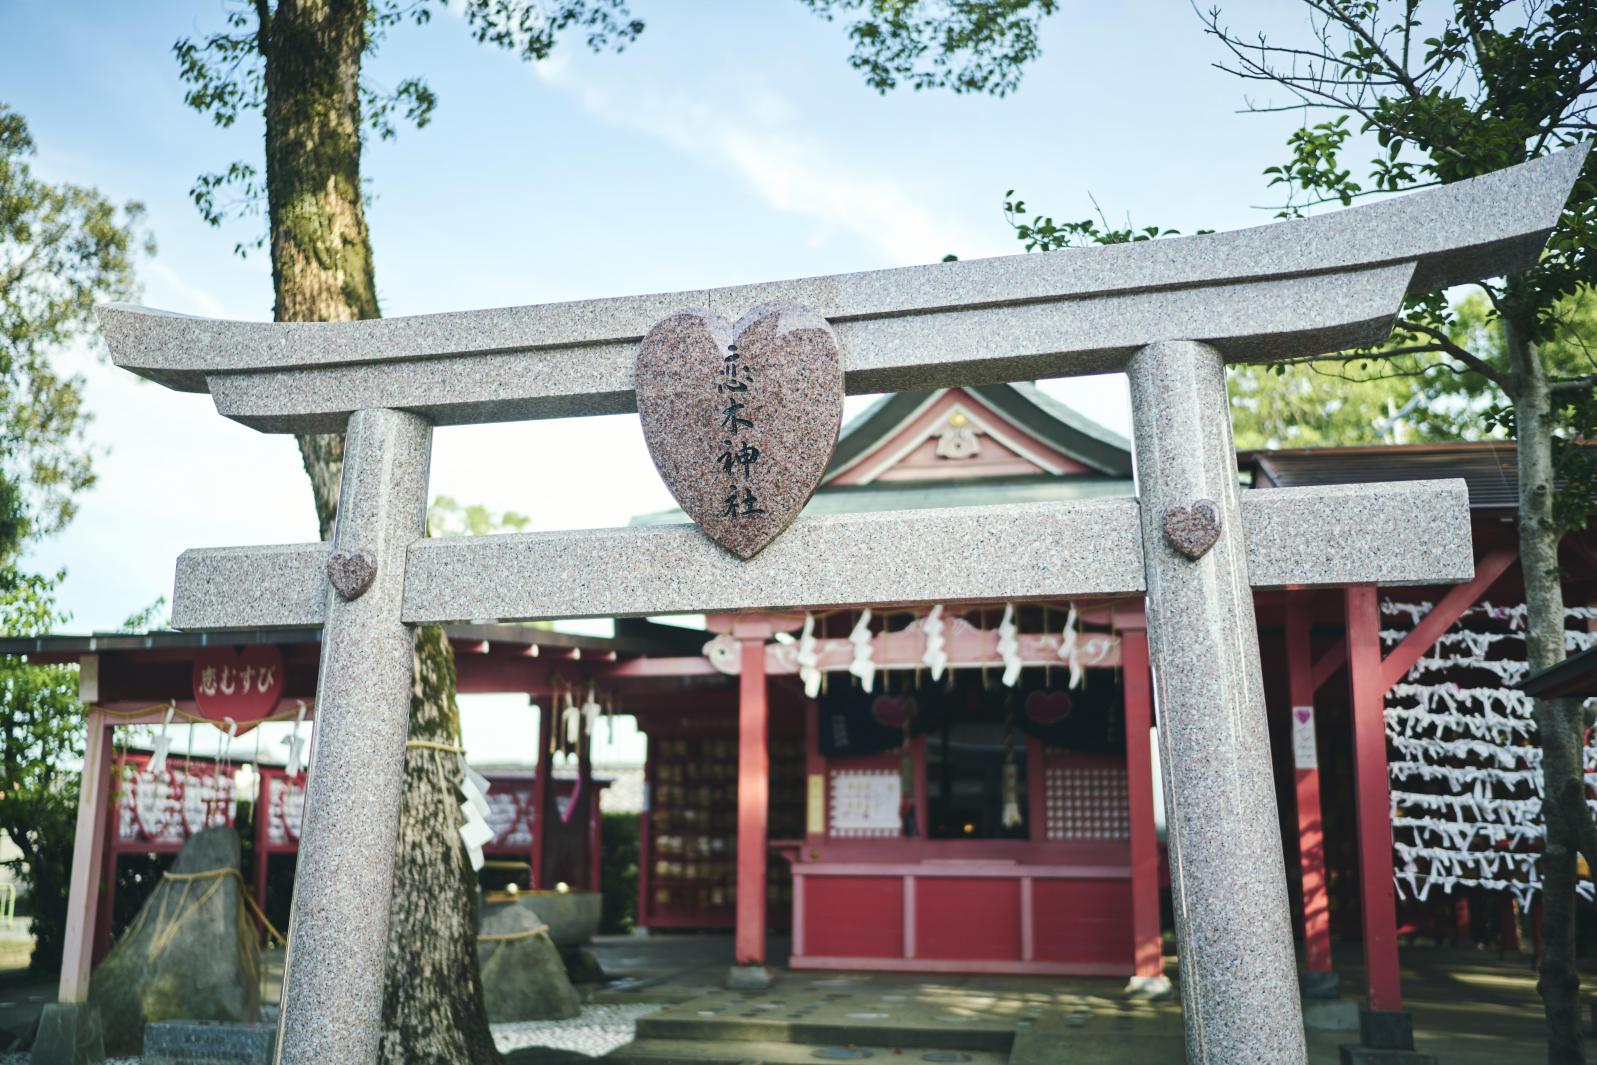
930	786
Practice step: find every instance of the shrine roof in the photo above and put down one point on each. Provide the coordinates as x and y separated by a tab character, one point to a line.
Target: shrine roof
1575	676
1487	467
1022	403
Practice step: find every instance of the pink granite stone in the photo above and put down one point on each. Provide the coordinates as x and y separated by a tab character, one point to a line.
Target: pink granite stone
1193	530
741	419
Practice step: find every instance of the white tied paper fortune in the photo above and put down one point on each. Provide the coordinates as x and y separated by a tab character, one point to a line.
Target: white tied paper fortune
1009	646
809	659
863	666
936	655
1465	766
475	832
163	742
296	745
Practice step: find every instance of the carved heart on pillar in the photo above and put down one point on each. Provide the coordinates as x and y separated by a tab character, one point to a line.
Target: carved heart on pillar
741	419
1193	530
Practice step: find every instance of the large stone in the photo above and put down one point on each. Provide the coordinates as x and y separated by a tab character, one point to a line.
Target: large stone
582	966
190	954
68	1033
523	975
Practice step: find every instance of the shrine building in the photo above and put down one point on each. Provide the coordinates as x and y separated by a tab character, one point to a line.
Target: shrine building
933	787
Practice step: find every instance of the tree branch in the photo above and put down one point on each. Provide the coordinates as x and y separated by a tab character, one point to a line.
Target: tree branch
1573	384
1445	344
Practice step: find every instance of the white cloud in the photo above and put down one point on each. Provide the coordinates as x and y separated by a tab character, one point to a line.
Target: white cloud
751	129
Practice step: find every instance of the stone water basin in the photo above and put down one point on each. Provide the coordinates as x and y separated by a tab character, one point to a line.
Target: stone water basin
572	916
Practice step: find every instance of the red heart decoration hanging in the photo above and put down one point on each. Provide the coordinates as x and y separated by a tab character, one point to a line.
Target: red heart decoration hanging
1049	708
242	683
894	711
741	419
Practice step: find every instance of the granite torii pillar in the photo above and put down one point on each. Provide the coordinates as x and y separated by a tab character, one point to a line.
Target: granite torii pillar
1169	312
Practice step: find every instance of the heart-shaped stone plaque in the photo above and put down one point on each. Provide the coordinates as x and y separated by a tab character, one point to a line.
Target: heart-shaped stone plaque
351	572
741	419
1193	530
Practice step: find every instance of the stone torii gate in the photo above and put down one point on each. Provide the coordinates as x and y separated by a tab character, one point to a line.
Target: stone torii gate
1169	313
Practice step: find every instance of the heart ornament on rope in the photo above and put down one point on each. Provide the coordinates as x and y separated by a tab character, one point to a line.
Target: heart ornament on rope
741	419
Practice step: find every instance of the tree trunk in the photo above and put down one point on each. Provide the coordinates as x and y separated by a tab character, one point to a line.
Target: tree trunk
322	272
1558	721
432	941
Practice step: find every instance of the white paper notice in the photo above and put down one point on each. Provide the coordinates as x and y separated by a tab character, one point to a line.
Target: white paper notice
1303	752
865	803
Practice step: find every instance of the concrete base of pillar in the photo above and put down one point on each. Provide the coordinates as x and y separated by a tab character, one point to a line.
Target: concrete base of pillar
1386	1037
208	1043
1321	985
1150	988
1386	1029
1352	1055
1331	1015
749	978
69	1033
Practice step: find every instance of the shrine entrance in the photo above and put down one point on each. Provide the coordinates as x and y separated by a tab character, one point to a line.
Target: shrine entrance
1168	313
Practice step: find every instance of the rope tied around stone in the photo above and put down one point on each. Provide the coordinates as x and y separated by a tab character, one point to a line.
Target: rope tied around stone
166	930
433	745
510	937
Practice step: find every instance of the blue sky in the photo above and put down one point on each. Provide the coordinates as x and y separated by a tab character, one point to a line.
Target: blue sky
731	143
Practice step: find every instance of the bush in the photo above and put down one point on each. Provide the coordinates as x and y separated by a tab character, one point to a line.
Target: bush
618	872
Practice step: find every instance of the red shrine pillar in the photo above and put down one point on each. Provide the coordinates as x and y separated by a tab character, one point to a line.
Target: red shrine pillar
1147	946
753	793
543	792
1311	829
1378	894
88	858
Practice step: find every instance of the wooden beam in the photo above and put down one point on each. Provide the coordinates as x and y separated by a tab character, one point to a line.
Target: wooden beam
1460	598
1373	799
753	792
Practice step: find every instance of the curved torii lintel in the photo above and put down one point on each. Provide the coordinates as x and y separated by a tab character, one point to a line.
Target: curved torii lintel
1291	288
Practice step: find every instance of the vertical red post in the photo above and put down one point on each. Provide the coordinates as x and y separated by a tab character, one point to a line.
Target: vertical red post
1311	830
543	792
753	794
1147	947
263	813
88	855
814	767
646	839
585	797
1036	791
1373	793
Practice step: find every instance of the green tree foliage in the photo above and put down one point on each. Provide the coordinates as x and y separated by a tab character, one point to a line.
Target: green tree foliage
63	248
967	46
225	73
449	517
300	64
41	737
1435	93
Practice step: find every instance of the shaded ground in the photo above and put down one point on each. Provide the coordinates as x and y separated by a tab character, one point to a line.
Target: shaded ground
1470	1008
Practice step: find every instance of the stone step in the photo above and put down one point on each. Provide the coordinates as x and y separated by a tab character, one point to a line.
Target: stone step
822	1032
751	1052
